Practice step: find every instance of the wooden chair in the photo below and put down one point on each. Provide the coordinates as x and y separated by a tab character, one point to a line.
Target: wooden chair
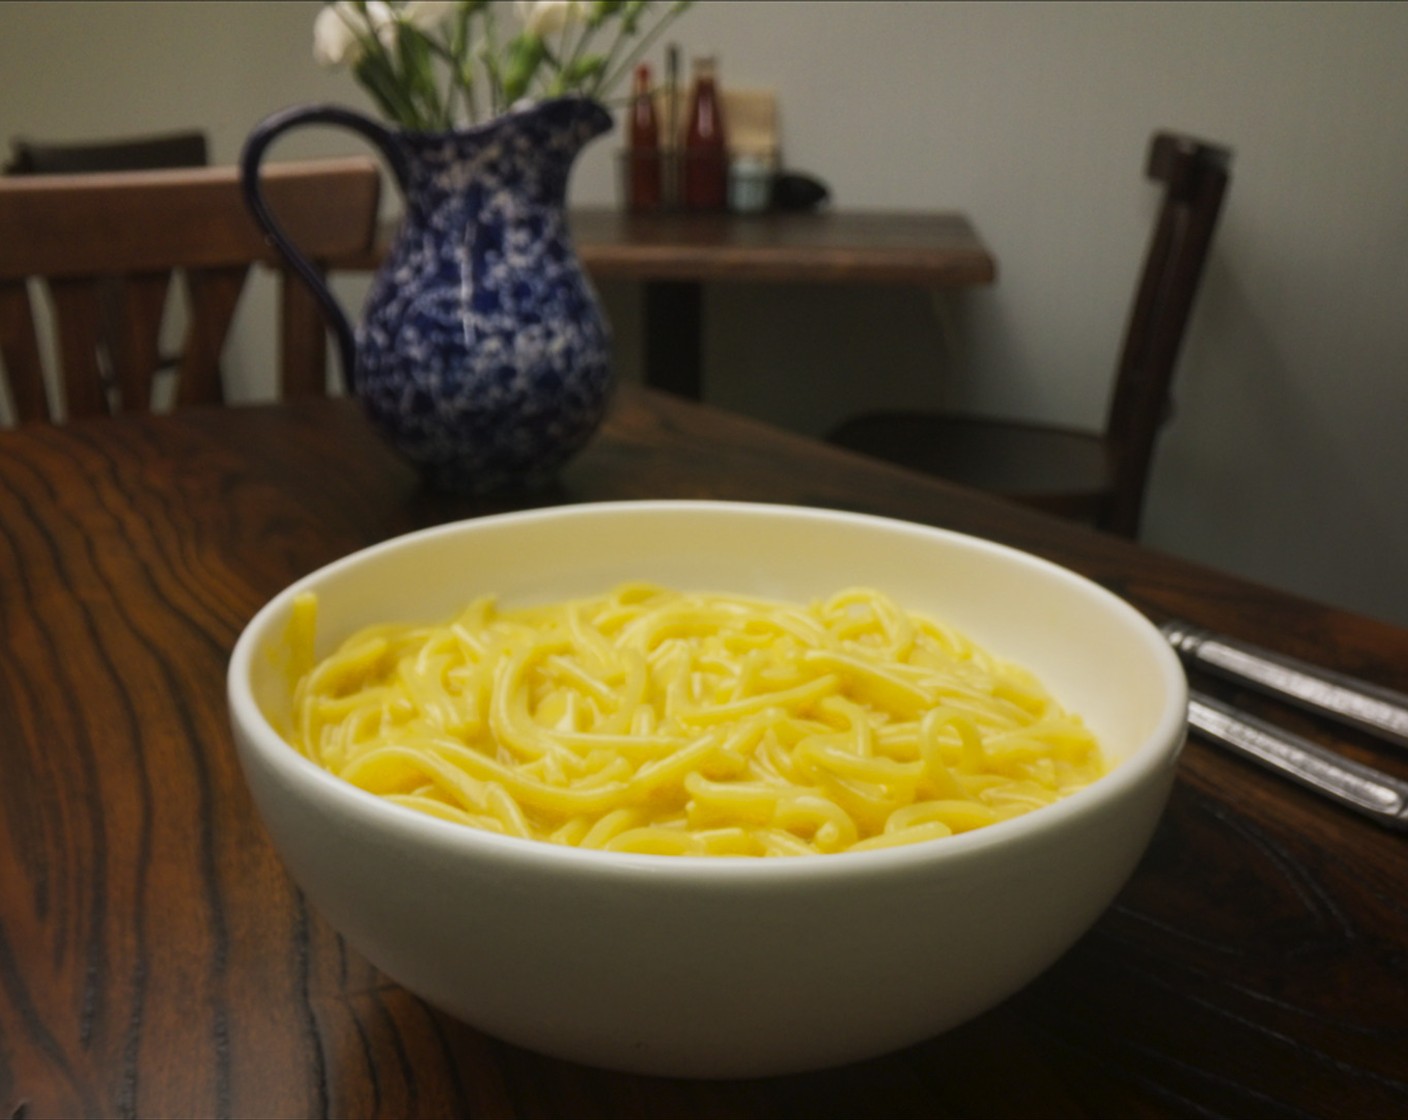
1099	477
141	153
74	233
137	153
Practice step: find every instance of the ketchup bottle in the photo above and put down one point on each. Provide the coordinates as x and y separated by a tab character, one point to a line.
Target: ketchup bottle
705	185
645	164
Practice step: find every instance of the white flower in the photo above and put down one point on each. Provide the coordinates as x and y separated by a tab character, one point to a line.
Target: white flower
338	28
423	15
420	60
427	14
548	17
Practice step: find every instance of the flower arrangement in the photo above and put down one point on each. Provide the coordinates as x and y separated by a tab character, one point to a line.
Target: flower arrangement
432	65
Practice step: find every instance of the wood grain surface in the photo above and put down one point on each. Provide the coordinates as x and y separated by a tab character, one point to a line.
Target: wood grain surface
936	249
155	959
931	248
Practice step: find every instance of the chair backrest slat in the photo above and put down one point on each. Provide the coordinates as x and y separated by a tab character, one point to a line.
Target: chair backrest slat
137	308
19	352
1195	177
77	304
302	342
214	295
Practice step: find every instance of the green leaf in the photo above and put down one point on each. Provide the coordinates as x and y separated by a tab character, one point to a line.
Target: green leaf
583	69
602	11
525	54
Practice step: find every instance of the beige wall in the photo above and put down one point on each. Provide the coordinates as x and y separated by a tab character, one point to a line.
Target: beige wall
1285	461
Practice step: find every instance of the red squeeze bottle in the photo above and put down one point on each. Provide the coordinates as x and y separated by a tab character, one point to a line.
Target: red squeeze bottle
645	180
705	147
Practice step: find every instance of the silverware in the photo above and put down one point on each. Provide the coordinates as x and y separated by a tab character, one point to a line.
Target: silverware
1380	711
1361	788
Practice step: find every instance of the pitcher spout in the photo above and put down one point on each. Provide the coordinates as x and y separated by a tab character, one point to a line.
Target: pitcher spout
536	143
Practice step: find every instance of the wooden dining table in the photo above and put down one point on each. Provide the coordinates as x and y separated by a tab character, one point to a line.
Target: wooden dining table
156	959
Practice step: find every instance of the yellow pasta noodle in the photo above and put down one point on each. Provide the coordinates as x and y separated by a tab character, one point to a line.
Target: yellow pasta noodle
654	721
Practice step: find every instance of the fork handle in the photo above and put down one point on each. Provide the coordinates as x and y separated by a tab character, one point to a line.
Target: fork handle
1379	711
1361	788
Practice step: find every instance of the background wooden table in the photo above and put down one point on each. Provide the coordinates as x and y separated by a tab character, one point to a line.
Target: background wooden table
674	256
155	960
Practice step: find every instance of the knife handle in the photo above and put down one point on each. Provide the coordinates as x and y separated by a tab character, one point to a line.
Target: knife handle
1361	788
1379	711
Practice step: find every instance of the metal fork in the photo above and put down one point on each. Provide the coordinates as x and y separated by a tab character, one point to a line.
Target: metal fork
1380	711
1361	788
1368	707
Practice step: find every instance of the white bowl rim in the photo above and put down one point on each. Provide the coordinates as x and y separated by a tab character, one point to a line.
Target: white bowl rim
1160	748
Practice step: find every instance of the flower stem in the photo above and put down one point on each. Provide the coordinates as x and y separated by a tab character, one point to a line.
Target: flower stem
609	77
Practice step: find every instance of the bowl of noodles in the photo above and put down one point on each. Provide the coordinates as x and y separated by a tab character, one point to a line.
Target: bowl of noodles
706	789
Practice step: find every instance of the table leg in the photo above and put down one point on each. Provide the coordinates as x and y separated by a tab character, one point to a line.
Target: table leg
674	322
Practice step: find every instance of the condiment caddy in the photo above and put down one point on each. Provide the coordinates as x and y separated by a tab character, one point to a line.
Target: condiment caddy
682	153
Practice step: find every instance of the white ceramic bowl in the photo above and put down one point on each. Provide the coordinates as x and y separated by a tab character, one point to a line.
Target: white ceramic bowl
720	967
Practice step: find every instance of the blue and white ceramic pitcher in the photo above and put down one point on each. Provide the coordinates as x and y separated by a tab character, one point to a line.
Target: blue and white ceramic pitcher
482	353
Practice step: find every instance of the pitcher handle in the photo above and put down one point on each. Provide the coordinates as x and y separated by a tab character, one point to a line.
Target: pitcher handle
252	156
